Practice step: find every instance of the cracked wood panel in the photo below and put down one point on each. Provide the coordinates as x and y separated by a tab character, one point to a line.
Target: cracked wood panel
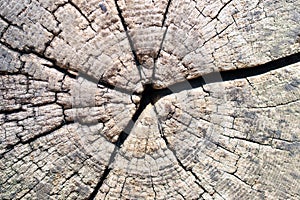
73	77
56	139
53	167
215	142
239	138
217	35
77	35
197	37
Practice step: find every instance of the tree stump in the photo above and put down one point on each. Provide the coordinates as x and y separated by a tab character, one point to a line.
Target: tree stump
132	99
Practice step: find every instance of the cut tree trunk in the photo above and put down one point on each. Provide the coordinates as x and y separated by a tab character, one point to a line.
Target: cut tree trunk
132	99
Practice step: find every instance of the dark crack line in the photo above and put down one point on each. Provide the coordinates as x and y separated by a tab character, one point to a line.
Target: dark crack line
105	174
145	100
10	23
158	54
166	13
101	83
5	20
275	106
54	63
214	77
220	10
260	69
162	41
65	70
12	111
174	153
123	136
36	137
100	183
122	189
48	43
240	179
153	188
131	44
81	13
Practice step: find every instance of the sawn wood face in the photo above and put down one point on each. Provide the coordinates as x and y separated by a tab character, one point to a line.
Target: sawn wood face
133	99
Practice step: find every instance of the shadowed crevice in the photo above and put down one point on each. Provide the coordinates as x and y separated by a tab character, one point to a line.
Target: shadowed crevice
158	54
54	63
99	184
147	98
12	111
162	40
260	69
230	75
36	137
125	27
166	13
174	153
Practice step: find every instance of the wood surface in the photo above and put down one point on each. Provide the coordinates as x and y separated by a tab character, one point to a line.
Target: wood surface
148	99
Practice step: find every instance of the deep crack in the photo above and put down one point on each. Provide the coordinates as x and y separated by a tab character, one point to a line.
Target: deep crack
146	98
125	27
100	183
149	94
166	13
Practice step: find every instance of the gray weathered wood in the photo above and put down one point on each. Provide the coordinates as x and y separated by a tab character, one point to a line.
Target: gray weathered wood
131	99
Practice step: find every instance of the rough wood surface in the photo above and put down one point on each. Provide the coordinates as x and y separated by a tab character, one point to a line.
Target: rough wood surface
135	99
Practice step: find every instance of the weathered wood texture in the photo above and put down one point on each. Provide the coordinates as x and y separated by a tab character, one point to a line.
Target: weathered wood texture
175	99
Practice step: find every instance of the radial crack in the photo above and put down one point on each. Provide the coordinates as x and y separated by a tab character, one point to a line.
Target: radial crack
174	153
81	13
100	183
214	77
166	13
53	62
36	137
135	57
145	100
158	54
